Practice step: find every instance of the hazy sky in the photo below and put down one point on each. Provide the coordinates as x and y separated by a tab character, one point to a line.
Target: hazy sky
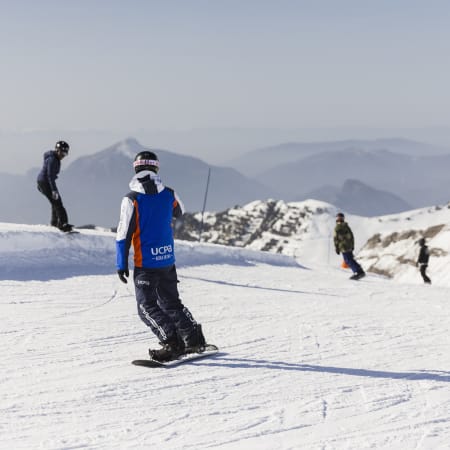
188	64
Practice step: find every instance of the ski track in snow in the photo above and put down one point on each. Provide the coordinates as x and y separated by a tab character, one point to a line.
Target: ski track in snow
308	360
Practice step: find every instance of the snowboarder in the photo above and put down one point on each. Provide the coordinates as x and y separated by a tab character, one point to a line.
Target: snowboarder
146	221
344	243
422	260
46	184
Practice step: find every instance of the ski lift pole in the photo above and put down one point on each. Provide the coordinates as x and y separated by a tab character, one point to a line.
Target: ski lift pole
204	205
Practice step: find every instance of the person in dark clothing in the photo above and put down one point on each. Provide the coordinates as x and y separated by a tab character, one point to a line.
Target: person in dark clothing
146	222
344	243
422	260
46	183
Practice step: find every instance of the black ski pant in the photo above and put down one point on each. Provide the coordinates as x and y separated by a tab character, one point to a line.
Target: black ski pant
59	213
160	307
423	269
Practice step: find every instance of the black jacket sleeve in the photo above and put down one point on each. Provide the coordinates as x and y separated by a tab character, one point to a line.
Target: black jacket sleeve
53	166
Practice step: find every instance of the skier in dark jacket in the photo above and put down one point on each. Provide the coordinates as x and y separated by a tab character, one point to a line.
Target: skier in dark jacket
344	243
422	260
46	182
146	222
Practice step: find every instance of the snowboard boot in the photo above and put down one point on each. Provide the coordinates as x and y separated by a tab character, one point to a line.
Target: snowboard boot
170	350
196	342
66	227
358	275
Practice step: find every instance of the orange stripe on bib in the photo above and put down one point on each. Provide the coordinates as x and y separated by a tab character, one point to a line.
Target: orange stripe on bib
137	239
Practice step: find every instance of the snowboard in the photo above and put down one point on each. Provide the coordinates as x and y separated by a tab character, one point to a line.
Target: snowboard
210	350
71	232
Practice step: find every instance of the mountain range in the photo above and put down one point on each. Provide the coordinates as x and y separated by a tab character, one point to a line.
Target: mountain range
418	180
359	198
92	186
261	160
414	172
362	177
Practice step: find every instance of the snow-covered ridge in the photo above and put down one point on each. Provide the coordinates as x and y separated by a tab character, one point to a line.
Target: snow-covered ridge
271	232
273	225
393	250
304	231
42	252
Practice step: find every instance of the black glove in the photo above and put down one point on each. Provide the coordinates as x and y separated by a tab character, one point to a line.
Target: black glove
123	275
337	251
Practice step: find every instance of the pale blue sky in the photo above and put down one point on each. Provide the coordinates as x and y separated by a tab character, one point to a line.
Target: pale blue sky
178	65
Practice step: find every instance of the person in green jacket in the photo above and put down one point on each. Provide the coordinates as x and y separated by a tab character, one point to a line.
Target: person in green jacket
344	243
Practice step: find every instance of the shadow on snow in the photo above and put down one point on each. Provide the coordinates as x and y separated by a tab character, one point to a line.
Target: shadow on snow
240	363
249	286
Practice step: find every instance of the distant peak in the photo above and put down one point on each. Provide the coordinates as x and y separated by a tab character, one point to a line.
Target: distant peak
353	182
129	147
131	141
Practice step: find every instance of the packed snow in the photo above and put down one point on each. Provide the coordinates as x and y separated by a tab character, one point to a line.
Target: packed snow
308	359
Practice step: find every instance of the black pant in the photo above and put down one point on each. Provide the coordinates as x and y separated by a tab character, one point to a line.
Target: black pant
351	262
160	307
423	269
59	213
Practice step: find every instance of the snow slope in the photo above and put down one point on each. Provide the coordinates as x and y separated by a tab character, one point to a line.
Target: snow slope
309	359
